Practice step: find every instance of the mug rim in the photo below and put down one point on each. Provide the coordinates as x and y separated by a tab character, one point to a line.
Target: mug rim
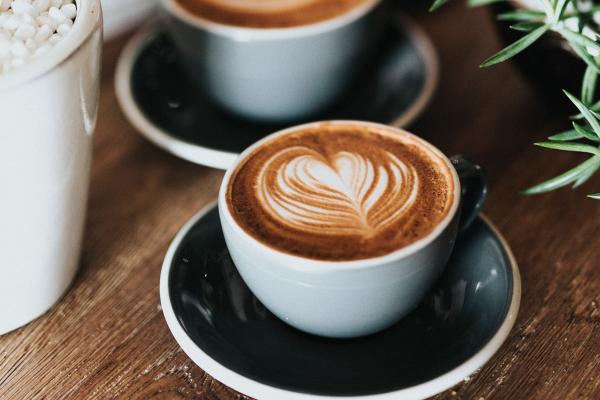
244	33
301	263
87	21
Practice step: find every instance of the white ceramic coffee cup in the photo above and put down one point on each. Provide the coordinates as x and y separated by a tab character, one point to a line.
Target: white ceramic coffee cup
121	16
47	116
349	298
274	74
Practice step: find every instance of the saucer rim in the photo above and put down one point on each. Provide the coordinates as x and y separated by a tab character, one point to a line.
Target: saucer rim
220	159
258	390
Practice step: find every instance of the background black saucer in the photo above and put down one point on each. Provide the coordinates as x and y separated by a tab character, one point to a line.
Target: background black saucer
392	89
223	318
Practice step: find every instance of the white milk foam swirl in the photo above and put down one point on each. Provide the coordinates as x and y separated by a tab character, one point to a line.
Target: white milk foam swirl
348	195
262	6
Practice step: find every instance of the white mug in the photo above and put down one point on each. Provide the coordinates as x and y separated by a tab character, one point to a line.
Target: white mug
122	15
274	74
346	299
47	119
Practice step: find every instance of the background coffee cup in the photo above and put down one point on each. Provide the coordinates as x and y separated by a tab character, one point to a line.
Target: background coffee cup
273	74
48	110
353	298
122	15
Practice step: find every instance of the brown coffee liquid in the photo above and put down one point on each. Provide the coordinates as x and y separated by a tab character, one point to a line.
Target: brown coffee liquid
340	192
269	13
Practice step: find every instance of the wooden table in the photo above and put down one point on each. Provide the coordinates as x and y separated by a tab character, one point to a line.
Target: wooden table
108	339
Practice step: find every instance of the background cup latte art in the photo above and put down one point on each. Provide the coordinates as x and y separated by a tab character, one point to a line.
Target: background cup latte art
270	13
262	5
348	194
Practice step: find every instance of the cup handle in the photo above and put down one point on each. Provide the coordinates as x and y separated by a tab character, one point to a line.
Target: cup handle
474	189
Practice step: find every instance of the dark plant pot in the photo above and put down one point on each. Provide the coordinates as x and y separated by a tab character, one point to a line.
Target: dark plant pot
549	64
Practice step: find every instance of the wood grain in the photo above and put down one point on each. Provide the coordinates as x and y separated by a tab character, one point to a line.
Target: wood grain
108	339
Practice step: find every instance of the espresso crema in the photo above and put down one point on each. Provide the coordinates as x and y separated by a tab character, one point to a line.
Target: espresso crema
341	192
270	13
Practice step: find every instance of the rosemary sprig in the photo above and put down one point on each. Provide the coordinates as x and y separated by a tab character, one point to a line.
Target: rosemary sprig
522	15
565	179
574	21
585	132
516	47
589	116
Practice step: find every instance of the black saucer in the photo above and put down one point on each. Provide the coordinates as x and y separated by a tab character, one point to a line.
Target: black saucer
227	332
166	107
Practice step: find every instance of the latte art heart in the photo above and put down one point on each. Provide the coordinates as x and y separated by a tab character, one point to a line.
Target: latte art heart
341	191
347	194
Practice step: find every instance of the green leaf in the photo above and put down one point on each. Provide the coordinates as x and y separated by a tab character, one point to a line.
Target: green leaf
575	147
585	176
522	15
585	132
477	3
594	196
565	136
516	47
472	3
588	87
549	7
585	56
559	9
564	179
578	38
594	109
526	26
587	114
437	4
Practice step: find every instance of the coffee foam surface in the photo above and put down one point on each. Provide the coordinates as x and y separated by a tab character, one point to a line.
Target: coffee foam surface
269	13
338	192
262	6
